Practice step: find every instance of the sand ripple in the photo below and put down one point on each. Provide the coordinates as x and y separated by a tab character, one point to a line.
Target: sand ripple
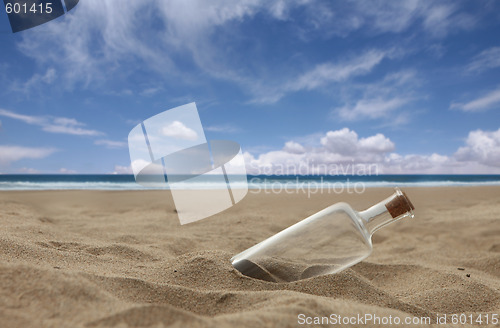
80	263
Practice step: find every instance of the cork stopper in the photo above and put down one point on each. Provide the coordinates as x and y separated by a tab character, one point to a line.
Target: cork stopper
399	205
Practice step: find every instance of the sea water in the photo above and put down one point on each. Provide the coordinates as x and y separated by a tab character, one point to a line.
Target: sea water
256	183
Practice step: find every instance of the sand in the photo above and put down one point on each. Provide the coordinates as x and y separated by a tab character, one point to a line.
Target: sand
121	259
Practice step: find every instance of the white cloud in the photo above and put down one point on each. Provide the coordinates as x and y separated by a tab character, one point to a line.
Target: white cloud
28	170
341	151
437	19
482	147
94	40
24	118
70	129
324	74
53	124
381	99
371	108
487	59
35	81
421	164
112	144
227	128
294	148
488	101
192	23
342	142
337	147
69	42
376	144
150	91
388	16
178	130
66	121
119	169
9	154
64	170
346	142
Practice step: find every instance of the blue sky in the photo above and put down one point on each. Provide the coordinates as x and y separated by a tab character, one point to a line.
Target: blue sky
412	86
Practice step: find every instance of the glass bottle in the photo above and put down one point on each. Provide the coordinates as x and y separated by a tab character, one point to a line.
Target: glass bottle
324	243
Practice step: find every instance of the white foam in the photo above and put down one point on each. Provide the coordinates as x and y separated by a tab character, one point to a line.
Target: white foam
263	184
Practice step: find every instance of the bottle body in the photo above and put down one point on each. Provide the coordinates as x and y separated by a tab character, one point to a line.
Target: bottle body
324	243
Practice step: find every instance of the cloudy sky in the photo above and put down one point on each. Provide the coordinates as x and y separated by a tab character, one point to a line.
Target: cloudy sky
412	86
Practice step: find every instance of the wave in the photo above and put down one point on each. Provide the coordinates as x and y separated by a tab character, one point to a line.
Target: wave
23	185
263	184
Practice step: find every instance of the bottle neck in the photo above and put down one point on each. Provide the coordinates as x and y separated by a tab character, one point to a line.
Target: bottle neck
387	211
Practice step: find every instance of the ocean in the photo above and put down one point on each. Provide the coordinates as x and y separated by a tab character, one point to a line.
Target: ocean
263	182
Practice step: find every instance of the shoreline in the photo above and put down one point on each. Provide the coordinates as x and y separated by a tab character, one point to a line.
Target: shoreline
271	189
267	183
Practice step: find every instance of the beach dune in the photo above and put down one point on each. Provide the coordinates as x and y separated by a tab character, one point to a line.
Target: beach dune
121	259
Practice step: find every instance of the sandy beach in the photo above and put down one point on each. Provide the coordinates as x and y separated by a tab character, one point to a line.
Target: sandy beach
121	259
